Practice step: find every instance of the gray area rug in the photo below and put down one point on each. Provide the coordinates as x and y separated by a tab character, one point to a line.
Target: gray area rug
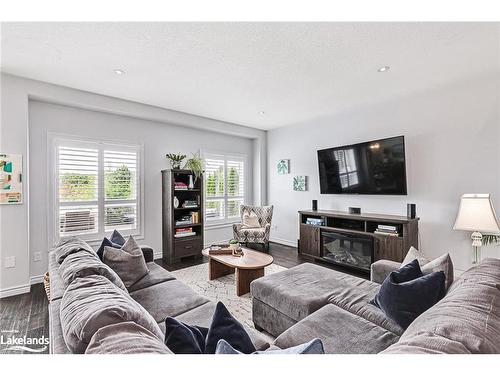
222	289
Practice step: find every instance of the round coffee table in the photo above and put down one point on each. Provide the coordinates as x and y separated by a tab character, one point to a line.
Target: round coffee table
248	267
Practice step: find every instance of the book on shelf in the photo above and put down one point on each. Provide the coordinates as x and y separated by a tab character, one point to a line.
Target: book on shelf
387	227
180	186
387	232
187	234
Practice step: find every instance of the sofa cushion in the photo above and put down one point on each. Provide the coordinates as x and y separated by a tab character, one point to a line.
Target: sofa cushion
57	343
202	316
71	245
298	291
128	261
340	331
169	298
125	338
441	263
467	317
225	326
312	347
82	264
117	238
93	302
157	274
182	338
105	242
57	286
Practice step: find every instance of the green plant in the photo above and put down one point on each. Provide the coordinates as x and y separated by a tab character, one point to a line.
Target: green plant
490	239
175	160
118	184
195	164
233	242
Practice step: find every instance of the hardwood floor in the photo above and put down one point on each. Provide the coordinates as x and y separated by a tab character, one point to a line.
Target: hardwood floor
24	315
27	314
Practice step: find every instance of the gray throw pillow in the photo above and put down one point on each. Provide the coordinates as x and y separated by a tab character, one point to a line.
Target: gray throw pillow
71	245
82	264
314	346
128	262
93	302
442	263
125	338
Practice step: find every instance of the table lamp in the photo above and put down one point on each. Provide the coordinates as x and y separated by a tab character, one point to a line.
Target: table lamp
476	214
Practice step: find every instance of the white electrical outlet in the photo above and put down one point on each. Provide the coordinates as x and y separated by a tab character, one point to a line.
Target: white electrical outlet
10	262
37	256
274	226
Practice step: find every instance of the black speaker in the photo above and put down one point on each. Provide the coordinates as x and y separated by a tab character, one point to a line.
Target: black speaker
354	210
315	205
411	210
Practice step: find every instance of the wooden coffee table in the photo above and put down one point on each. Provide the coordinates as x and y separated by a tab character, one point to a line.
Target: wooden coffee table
248	267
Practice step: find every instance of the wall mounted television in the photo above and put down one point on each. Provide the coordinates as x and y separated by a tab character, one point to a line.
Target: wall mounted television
376	167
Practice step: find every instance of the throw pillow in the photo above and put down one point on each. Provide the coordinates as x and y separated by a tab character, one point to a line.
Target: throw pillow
93	302
181	338
442	263
128	262
314	346
250	220
82	264
117	238
125	338
403	301
105	242
225	326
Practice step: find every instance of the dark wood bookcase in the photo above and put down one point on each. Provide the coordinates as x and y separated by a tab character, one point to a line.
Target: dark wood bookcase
176	248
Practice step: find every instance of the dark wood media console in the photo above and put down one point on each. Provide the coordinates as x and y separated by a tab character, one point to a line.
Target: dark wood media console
350	240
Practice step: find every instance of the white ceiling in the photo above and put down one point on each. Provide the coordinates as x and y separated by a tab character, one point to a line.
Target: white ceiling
232	71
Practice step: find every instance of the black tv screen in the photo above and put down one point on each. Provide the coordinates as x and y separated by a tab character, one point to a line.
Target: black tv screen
376	167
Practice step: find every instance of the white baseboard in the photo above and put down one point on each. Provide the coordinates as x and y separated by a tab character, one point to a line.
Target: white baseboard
36	279
283	241
157	256
15	290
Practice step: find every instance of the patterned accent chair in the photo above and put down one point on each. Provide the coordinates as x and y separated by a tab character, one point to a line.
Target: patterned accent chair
255	235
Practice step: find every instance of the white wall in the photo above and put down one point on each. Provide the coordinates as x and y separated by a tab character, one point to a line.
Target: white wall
26	117
452	138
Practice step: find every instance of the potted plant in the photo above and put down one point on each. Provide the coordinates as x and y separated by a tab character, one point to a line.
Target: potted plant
234	245
195	164
175	160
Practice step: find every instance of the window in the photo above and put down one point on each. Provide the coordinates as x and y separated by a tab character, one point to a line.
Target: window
348	171
224	187
97	189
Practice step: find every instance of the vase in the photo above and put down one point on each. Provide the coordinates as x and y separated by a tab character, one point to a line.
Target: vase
176	202
191	183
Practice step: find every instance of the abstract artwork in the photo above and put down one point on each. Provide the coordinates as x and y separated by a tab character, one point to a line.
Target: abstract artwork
11	171
300	183
283	166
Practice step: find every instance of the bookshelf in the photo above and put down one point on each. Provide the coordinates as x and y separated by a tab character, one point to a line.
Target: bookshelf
182	227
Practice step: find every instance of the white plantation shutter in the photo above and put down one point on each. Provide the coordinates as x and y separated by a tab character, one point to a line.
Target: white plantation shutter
224	187
96	189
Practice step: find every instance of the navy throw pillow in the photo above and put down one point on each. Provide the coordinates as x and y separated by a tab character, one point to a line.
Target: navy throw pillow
408	272
117	238
106	242
225	326
404	301
181	338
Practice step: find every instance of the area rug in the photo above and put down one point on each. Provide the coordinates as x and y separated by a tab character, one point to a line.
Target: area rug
222	289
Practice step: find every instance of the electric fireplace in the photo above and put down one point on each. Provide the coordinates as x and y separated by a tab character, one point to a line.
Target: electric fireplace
346	249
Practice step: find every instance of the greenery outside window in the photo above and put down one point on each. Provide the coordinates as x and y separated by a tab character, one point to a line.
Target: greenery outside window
224	188
97	189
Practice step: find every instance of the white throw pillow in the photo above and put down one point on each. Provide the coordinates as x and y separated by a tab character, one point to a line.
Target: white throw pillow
250	220
441	263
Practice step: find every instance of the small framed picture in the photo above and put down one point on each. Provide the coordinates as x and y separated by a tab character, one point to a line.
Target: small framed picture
300	183
283	166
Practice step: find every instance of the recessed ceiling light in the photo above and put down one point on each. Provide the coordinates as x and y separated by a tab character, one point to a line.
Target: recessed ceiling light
384	69
119	72
262	113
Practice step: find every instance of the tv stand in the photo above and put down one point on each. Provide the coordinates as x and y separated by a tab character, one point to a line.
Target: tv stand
351	240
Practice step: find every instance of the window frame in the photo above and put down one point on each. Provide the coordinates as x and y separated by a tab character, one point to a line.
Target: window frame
56	140
225	156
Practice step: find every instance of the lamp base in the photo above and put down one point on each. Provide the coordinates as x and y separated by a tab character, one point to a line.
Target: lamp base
476	247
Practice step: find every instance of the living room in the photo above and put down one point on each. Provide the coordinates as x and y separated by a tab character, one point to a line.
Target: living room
315	184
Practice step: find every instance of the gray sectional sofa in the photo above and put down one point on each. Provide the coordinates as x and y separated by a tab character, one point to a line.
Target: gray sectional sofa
310	301
159	293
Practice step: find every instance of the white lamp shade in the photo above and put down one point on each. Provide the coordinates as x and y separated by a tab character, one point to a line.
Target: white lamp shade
476	214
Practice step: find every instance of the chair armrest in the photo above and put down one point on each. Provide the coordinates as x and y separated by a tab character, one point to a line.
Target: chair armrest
381	269
148	253
267	227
